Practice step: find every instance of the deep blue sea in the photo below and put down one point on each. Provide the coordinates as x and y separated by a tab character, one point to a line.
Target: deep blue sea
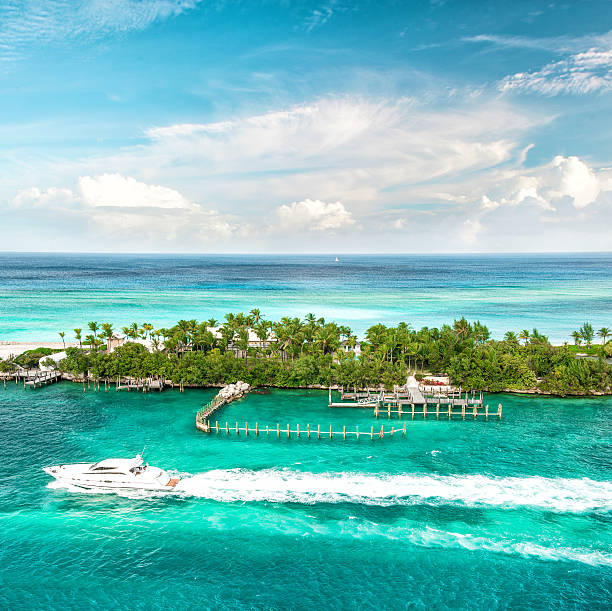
42	294
506	514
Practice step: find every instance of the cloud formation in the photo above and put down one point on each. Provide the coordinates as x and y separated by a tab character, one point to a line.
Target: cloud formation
124	191
313	215
389	173
125	208
60	21
581	74
544	186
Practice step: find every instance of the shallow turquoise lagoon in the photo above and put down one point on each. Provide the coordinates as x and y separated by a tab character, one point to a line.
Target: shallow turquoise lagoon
456	515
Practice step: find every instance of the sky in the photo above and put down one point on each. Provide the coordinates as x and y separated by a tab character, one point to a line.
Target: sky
327	126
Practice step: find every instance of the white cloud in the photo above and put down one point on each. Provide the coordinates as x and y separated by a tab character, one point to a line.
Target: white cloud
321	14
127	208
53	197
353	167
554	44
25	22
319	17
581	73
363	151
126	192
573	178
188	129
313	215
545	185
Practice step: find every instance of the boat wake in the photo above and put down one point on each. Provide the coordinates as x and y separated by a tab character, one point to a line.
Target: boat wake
289	486
434	538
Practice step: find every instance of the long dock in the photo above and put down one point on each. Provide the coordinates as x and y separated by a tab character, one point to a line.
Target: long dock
328	432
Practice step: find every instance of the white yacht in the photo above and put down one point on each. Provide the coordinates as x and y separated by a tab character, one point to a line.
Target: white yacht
114	473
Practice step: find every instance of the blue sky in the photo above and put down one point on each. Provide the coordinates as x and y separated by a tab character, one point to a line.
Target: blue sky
332	126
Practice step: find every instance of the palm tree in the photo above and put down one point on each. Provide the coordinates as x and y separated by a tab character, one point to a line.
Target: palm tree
524	335
345	332
62	335
327	337
91	340
577	337
310	318
107	330
211	322
77	335
376	335
133	331
242	341
511	337
587	333
604	332
93	327
261	330
147	327
462	328
255	315
481	332
538	337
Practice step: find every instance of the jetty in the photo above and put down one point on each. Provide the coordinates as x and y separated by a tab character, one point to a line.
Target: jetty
410	395
226	395
142	384
35	378
289	431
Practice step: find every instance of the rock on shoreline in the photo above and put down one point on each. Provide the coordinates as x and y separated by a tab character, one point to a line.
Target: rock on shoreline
233	391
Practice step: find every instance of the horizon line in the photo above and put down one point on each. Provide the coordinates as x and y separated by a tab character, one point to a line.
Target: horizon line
305	253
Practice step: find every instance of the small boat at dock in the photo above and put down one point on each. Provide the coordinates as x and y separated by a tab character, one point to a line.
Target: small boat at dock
114	474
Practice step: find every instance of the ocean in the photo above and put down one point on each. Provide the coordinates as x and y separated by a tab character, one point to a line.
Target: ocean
43	294
456	515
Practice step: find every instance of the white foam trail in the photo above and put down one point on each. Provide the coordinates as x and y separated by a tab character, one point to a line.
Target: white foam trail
431	537
288	486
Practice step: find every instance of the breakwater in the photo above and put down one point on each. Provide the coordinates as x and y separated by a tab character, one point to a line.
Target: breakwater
226	395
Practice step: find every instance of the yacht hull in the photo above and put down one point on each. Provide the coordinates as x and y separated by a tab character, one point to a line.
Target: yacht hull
87	477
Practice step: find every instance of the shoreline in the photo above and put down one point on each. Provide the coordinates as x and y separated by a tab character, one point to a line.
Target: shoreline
8	348
68	377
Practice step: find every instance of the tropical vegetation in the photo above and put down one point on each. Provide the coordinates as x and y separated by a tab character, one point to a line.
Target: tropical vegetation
295	352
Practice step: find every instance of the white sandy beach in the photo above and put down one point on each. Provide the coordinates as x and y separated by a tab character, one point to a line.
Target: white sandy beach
16	348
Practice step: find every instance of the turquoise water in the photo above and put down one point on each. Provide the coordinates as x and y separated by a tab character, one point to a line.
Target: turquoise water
457	515
41	295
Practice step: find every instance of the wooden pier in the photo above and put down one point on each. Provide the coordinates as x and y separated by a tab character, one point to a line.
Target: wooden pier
405	396
142	384
35	378
289	431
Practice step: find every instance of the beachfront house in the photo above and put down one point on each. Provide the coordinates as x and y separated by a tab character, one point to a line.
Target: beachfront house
254	341
346	347
117	340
